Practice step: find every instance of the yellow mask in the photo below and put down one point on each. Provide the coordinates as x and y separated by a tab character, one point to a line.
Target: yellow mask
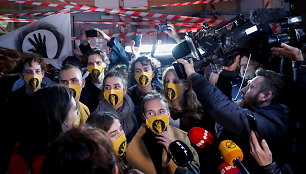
120	145
173	91
77	89
158	123
95	71
143	78
113	97
33	81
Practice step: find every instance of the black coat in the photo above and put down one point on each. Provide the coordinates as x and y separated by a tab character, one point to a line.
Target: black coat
91	95
272	120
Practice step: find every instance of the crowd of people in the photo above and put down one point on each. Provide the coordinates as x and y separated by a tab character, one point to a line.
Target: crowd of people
115	113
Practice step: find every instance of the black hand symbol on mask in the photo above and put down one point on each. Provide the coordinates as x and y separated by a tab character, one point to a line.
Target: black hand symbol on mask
158	126
170	93
143	80
122	148
34	83
113	99
95	73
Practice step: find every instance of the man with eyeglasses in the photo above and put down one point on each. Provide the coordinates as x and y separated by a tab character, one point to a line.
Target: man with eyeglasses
148	150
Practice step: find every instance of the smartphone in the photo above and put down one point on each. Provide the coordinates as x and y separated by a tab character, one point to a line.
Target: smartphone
163	27
91	33
253	126
137	40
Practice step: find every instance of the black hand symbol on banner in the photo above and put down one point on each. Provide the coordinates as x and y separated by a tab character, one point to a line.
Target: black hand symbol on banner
39	45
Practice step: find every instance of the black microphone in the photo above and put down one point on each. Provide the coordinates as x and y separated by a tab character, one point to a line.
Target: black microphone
264	16
182	155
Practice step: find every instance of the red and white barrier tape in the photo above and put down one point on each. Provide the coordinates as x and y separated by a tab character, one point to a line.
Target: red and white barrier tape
184	3
44	13
144	23
68	2
5	19
114	11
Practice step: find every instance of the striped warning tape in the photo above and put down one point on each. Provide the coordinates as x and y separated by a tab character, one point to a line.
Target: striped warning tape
211	22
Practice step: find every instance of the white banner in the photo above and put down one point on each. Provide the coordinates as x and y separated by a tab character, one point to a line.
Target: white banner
50	36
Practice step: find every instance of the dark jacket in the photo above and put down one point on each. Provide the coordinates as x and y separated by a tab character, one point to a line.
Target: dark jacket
90	95
272	120
136	97
125	113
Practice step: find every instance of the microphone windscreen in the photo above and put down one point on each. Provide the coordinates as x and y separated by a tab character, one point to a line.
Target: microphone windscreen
200	137
227	169
180	152
264	16
181	50
230	151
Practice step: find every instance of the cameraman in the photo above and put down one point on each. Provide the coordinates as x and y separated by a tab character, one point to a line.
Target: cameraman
261	99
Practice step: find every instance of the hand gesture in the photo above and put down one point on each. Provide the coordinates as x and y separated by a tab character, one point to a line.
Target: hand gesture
189	69
164	139
262	154
172	33
39	45
101	34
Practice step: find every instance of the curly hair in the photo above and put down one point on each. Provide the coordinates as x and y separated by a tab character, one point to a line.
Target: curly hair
144	60
30	60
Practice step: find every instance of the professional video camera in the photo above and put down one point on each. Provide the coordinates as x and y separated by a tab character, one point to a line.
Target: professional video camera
220	45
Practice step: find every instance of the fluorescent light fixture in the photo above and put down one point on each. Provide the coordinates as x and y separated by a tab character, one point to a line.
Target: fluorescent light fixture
143	48
161	49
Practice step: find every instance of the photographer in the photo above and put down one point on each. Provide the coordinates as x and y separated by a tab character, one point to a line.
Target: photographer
261	99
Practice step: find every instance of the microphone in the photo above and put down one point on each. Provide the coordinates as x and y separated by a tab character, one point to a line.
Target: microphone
200	137
264	16
182	155
232	154
227	169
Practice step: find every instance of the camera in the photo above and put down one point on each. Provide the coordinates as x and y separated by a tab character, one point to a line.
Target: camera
162	27
220	45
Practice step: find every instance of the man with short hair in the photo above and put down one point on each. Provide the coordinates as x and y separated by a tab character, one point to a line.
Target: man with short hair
148	149
260	101
144	70
71	77
96	65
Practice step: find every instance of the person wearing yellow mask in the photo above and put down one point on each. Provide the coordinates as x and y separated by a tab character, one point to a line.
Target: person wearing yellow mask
184	105
96	66
31	71
144	70
71	77
148	149
186	112
116	101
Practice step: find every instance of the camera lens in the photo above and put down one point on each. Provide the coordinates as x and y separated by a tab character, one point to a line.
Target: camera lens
277	39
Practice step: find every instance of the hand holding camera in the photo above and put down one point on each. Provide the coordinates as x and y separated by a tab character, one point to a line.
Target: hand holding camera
187	66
